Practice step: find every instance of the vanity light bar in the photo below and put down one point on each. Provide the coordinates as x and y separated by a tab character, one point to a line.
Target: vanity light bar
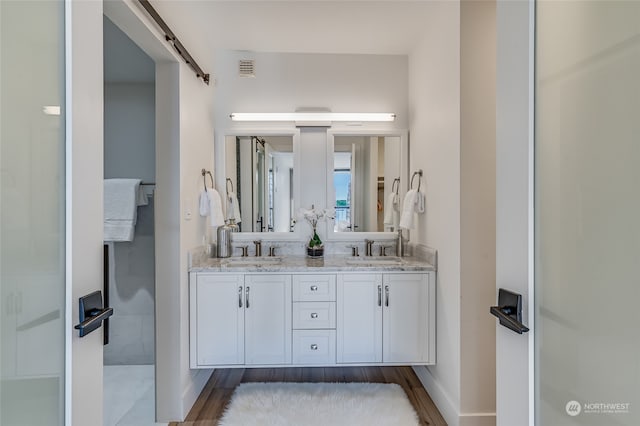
313	116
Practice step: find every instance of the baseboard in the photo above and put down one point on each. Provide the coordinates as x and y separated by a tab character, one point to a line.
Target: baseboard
478	419
439	396
192	392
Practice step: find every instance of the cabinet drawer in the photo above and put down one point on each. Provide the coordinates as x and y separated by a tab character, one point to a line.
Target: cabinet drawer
314	346
314	288
314	315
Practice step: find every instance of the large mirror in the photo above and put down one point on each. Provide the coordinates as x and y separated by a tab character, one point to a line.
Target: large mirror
259	169
367	180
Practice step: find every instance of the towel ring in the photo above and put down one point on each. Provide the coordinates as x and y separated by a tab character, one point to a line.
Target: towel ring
229	181
204	179
394	187
419	173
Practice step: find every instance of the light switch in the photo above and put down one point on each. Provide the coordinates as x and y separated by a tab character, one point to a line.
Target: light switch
188	213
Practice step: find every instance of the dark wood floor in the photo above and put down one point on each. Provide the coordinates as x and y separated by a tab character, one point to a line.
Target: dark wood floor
214	397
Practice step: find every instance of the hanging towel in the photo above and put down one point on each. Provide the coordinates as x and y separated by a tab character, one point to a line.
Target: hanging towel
142	198
205	203
233	207
409	207
420	202
215	207
120	208
390	207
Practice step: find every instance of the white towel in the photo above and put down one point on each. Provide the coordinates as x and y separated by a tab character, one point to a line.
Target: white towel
414	202
233	207
205	203
390	207
142	198
215	207
120	208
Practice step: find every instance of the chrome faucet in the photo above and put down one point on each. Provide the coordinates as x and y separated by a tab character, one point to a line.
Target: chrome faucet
368	244
258	244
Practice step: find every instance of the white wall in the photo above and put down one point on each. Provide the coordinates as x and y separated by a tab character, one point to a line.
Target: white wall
453	141
196	153
434	103
287	81
477	211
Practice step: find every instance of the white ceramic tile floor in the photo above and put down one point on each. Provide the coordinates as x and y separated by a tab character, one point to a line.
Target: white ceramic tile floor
129	395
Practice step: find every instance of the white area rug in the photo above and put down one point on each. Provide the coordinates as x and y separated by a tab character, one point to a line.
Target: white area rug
319	404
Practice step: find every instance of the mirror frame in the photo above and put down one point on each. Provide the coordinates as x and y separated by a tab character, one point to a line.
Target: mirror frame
403	134
221	173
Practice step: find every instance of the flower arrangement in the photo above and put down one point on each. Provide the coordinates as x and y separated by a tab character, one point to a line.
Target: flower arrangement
313	216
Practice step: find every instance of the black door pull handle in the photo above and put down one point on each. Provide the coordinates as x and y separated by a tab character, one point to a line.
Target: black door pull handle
510	311
91	313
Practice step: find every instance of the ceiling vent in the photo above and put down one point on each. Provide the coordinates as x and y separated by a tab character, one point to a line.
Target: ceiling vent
247	68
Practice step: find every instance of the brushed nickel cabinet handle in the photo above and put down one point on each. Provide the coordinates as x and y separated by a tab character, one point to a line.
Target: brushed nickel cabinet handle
246	297
314	347
386	294
240	297
314	288
314	315
379	295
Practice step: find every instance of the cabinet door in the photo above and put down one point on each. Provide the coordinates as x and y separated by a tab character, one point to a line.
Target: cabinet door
406	318
359	321
218	319
267	319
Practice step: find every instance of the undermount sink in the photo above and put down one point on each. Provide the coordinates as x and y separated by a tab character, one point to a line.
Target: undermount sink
252	261
375	261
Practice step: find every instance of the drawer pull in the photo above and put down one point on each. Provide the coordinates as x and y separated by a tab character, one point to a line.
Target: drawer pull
314	347
314	315
314	288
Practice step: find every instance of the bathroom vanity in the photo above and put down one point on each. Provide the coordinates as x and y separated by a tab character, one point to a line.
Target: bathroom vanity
295	311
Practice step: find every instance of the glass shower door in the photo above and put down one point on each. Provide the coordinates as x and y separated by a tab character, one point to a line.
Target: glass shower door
32	210
587	213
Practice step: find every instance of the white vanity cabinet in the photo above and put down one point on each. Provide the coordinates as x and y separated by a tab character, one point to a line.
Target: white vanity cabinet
324	319
386	318
239	319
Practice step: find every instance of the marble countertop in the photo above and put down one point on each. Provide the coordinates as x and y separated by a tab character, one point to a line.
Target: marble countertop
291	263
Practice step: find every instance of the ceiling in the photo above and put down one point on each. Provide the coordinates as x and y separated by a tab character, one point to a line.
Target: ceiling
309	26
391	27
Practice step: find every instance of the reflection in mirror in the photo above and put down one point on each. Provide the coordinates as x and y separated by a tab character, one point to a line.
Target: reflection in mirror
261	172
366	173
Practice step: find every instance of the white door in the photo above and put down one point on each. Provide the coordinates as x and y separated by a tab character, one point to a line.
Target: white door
51	197
578	365
359	321
217	302
267	319
405	318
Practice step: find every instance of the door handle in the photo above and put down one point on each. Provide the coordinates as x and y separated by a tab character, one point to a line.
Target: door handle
92	313
246	297
509	311
386	295
240	297
379	295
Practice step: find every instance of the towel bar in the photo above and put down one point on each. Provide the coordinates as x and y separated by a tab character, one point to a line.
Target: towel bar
419	173
204	178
